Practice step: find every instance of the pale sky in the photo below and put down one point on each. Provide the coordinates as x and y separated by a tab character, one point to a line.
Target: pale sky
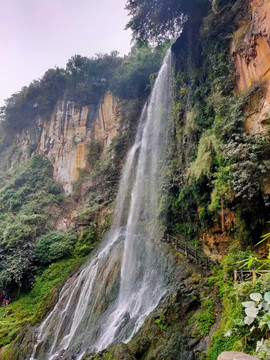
36	35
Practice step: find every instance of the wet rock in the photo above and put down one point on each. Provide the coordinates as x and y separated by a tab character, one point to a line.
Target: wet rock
235	355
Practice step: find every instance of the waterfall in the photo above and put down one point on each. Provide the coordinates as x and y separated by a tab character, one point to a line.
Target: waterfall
109	299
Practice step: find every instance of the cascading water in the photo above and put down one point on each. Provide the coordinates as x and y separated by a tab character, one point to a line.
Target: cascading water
109	299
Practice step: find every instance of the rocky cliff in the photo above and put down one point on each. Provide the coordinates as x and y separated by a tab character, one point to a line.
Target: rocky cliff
250	50
251	45
65	138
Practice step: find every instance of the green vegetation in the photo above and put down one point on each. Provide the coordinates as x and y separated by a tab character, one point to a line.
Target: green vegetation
161	322
133	77
160	20
87	241
84	80
208	147
218	166
90	78
26	203
32	307
234	332
206	318
107	356
54	246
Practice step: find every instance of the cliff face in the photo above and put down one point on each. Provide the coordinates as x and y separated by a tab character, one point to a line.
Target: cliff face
251	53
65	138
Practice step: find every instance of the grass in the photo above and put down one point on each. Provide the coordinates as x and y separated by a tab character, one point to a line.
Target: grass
32	307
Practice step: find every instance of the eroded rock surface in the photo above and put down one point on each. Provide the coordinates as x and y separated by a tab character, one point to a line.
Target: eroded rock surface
66	137
251	53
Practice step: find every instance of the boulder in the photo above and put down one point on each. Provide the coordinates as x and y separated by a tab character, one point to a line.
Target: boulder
235	355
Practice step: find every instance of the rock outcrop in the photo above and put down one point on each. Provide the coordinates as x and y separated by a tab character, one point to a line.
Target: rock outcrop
65	138
251	46
251	52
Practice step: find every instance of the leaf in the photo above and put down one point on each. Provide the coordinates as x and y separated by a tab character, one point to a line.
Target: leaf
249	320
256	297
252	312
228	333
248	304
261	323
264	237
248	262
267	297
266	306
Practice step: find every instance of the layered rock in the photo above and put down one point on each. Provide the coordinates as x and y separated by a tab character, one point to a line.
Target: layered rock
66	137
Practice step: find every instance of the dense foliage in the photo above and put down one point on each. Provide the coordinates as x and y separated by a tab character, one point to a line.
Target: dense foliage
159	20
27	202
54	246
89	78
31	307
220	171
84	79
220	166
131	79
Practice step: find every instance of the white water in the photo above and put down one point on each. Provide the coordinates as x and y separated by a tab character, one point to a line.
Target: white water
110	298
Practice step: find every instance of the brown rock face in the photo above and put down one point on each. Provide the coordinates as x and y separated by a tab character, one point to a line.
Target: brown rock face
253	60
254	68
257	112
235	355
66	137
251	53
216	242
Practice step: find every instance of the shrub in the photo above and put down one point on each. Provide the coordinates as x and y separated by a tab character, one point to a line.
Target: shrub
207	317
25	213
132	79
54	246
87	241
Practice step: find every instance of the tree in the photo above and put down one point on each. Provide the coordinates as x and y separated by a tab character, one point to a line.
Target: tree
84	79
131	79
159	20
38	98
90	77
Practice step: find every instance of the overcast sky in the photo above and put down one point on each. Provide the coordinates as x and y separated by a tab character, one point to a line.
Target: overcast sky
36	35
